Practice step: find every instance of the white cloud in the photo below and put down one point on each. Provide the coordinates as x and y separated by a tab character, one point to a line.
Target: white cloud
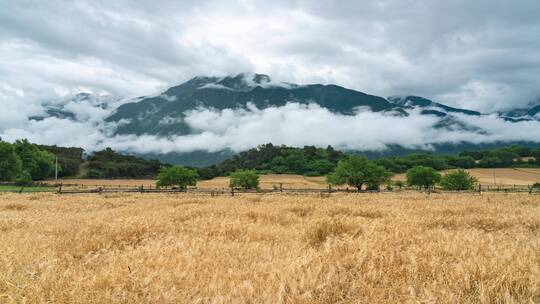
293	124
475	54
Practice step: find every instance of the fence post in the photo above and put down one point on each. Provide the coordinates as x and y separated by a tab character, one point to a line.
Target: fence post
280	187
232	191
530	189
60	188
479	188
329	188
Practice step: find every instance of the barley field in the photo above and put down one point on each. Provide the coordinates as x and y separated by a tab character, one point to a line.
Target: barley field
184	248
487	177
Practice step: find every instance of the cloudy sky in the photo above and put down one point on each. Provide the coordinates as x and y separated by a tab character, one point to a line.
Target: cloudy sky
481	55
477	54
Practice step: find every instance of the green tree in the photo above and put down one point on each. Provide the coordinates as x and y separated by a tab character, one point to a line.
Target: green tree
10	163
247	179
421	176
177	176
458	180
399	184
536	154
39	164
357	171
462	162
23	179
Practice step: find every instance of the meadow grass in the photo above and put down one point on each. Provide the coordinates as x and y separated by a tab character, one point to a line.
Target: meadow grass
186	248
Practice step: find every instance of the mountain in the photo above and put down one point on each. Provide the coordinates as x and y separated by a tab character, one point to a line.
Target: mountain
428	107
163	114
523	114
81	107
422	124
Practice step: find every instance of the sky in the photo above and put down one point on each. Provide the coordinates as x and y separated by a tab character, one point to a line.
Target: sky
481	55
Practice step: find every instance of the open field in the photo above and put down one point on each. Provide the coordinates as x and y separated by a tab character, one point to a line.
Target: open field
503	176
183	248
26	189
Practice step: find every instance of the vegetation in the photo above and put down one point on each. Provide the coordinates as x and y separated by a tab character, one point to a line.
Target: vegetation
10	162
69	159
15	188
111	164
246	179
458	180
309	161
356	171
177	176
392	248
23	161
496	158
423	177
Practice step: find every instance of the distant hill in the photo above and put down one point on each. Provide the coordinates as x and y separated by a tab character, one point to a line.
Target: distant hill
165	115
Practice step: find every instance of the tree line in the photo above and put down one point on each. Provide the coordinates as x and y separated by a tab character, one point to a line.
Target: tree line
23	162
354	171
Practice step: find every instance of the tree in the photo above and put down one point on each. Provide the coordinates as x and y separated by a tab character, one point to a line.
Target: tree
357	171
23	179
462	162
399	184
177	176
39	164
422	176
458	180
10	163
536	154
247	179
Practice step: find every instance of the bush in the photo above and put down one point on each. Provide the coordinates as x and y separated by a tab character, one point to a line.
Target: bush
177	176
421	176
23	179
399	184
93	173
536	185
247	179
458	180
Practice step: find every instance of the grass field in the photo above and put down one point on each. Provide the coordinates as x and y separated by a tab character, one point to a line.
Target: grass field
25	189
503	176
182	248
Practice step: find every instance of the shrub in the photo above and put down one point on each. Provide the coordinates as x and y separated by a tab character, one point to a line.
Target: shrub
458	180
93	173
399	184
247	179
421	176
177	176
23	179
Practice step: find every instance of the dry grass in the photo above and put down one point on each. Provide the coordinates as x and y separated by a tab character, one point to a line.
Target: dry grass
367	248
503	176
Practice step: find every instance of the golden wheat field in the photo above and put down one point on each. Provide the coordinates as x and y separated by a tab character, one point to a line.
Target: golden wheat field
184	248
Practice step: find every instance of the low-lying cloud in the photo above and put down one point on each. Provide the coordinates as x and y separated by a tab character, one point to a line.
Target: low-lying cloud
293	124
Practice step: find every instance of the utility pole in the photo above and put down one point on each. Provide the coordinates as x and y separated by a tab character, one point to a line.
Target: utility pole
56	169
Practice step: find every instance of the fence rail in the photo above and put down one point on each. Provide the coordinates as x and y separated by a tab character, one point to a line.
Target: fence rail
232	192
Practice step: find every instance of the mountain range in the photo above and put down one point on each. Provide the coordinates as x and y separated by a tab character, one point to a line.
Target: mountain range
166	115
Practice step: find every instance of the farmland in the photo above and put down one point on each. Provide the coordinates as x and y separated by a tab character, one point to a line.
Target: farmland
184	248
503	176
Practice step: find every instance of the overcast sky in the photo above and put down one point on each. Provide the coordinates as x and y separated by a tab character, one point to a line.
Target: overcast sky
481	54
